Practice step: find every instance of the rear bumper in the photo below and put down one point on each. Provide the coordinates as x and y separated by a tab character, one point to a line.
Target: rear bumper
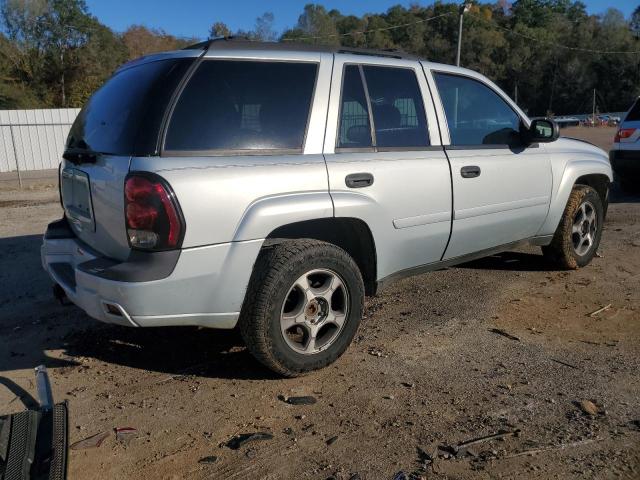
625	162
202	286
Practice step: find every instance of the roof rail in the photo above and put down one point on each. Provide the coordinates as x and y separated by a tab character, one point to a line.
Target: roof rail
235	42
207	43
389	53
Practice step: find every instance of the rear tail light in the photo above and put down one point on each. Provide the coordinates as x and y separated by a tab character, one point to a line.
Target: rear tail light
153	216
623	133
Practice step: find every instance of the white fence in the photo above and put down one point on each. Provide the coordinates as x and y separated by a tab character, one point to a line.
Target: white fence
33	139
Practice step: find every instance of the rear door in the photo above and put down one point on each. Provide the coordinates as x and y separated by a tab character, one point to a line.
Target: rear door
385	162
501	186
123	118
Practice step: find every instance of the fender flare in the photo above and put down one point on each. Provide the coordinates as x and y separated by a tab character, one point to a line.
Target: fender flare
266	214
573	170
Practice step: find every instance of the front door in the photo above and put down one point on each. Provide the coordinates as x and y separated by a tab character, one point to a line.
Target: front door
385	162
501	186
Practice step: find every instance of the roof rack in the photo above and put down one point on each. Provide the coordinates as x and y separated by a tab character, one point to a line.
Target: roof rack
234	43
389	53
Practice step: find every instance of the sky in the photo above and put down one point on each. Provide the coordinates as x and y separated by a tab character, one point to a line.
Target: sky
192	18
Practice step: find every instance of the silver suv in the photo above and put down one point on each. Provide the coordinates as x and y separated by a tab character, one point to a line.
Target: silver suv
625	154
273	186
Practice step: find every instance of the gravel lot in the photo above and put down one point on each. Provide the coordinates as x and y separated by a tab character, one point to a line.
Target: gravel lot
502	345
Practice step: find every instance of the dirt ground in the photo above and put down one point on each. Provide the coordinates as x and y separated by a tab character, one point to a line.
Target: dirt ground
504	345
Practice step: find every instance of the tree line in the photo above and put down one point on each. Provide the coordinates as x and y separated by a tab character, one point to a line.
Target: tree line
550	54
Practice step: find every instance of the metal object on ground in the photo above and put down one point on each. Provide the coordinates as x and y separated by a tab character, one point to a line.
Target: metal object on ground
33	443
44	388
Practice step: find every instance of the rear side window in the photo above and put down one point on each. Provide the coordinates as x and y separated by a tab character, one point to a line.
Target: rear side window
397	108
394	106
476	115
355	129
124	116
243	106
634	113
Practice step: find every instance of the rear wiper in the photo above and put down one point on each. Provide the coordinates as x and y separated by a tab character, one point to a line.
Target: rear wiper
80	155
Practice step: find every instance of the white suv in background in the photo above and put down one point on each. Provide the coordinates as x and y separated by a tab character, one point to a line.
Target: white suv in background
625	155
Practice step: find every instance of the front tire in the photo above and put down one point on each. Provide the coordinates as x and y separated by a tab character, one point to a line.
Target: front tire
577	238
303	306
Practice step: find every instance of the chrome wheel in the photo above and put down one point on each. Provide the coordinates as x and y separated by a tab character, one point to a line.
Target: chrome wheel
584	228
314	311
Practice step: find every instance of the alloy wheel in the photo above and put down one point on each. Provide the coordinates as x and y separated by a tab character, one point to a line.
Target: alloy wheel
314	311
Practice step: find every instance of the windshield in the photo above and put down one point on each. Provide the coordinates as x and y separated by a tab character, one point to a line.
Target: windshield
125	115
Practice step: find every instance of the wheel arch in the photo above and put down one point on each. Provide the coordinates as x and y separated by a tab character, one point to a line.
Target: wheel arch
353	235
600	183
594	173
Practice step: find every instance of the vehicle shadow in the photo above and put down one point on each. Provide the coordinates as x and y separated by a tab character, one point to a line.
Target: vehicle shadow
171	350
32	324
513	261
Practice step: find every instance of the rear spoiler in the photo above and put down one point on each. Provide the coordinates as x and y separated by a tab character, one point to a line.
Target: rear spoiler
34	443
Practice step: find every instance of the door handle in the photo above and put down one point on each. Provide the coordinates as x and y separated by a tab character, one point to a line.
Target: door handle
358	180
470	171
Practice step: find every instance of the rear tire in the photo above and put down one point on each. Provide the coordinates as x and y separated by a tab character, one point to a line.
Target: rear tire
577	238
303	306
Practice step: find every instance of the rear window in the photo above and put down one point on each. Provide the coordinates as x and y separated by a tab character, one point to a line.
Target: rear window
634	113
233	105
124	116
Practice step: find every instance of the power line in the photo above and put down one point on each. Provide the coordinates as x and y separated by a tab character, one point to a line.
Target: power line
557	45
362	32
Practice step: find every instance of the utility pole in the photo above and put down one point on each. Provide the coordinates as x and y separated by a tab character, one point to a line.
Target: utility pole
593	118
463	8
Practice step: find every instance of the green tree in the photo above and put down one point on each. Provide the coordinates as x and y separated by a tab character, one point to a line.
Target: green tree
140	40
315	25
47	35
219	29
264	28
68	27
634	24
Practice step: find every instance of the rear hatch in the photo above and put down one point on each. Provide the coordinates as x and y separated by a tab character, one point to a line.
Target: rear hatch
122	119
628	136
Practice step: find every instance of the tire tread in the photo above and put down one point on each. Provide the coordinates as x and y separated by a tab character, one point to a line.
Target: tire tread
560	250
274	261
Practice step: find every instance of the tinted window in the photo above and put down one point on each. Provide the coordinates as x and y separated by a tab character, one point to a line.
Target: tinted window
124	116
476	115
355	130
634	113
243	105
396	104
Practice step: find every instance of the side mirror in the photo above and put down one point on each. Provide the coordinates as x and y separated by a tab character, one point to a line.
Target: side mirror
543	130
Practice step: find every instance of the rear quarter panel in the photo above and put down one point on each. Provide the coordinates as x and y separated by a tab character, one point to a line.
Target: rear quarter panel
226	199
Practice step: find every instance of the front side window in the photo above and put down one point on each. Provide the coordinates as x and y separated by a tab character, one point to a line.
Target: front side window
394	106
244	106
476	114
